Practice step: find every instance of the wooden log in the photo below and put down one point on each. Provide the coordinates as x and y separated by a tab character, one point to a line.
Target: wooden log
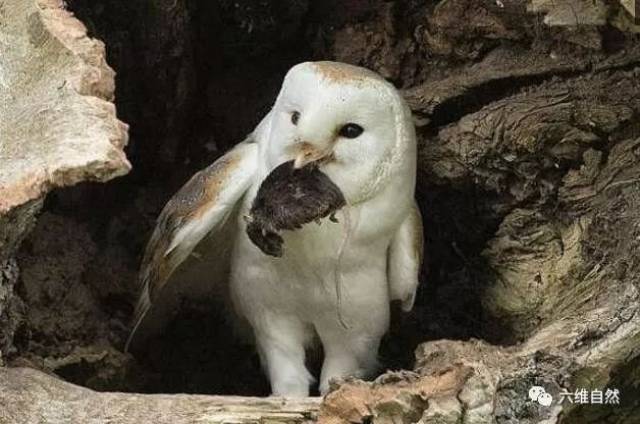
28	396
528	180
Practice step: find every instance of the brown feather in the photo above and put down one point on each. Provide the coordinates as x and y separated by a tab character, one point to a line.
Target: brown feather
190	202
342	72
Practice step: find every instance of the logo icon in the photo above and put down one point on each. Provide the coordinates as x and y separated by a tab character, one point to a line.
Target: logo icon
540	395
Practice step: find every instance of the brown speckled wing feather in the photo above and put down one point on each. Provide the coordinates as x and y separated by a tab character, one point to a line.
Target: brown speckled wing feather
198	208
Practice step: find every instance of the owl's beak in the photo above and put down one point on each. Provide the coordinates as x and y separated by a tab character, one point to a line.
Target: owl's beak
308	153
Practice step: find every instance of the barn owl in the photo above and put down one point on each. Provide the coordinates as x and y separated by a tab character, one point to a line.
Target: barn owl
356	128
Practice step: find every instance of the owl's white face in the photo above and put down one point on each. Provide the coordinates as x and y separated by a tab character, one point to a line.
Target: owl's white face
349	120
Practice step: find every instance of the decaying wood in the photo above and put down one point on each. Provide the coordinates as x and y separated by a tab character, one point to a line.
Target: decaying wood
528	120
55	91
58	125
28	396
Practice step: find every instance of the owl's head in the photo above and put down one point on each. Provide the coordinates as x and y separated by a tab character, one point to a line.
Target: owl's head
348	120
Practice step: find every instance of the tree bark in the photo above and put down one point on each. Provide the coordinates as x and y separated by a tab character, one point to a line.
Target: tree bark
528	119
29	396
58	125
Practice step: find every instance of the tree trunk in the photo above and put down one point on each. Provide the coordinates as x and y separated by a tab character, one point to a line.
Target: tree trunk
57	124
528	118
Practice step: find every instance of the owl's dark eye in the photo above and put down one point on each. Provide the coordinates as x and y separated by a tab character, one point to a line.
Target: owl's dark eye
351	130
295	116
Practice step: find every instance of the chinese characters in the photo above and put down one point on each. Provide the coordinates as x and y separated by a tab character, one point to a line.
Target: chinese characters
583	396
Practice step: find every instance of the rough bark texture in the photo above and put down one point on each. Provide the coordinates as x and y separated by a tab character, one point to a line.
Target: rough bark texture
58	126
528	117
29	396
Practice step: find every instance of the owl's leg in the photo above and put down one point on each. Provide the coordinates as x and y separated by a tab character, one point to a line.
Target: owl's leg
348	353
281	342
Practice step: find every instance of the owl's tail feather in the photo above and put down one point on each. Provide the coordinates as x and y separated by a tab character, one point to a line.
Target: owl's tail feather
338	274
143	306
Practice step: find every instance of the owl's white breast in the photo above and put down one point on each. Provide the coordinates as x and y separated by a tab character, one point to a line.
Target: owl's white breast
303	281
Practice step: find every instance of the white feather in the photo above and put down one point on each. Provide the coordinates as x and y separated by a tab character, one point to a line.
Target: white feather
405	259
290	300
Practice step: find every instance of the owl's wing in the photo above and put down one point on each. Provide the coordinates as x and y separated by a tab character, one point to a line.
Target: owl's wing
405	259
201	207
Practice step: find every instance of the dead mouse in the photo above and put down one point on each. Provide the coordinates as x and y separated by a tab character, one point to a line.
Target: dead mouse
286	200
